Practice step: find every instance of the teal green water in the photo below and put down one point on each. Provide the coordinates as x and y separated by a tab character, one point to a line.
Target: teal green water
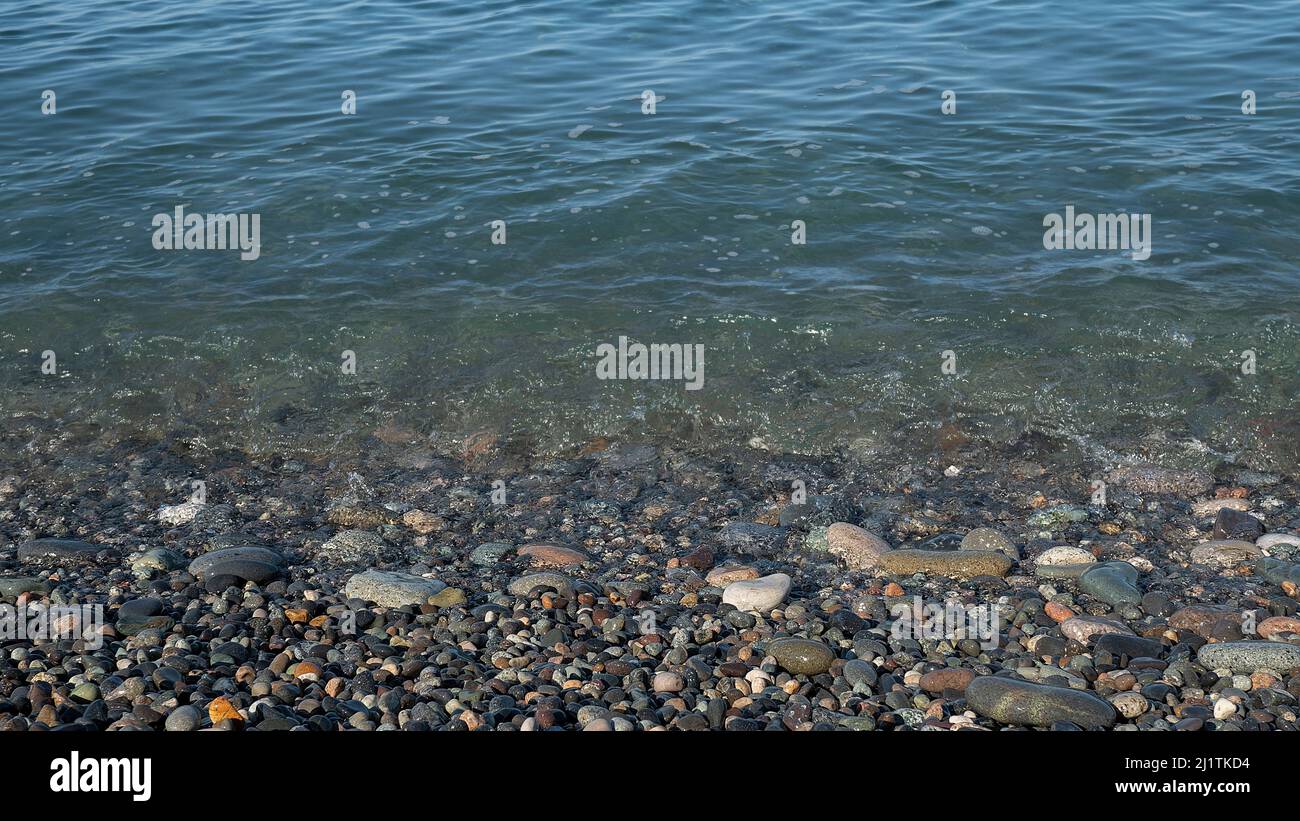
924	230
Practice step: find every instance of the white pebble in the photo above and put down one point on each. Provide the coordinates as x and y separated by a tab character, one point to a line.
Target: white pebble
181	514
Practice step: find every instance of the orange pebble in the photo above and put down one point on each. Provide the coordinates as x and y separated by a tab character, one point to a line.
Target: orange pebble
1058	612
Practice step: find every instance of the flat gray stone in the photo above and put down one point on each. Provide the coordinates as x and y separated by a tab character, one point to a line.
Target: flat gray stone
957	564
183	719
12	587
141	608
161	559
1057	516
1222	553
1083	628
59	549
1155	479
490	553
203	565
801	656
857	671
181	514
353	547
1113	582
1249	656
388	589
1009	701
1132	646
244	570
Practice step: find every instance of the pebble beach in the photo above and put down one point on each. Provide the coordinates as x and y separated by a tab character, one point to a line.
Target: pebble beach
631	587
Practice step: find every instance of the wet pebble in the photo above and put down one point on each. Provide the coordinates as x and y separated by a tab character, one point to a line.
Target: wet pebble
960	564
1250	656
761	595
801	656
1017	702
857	548
1113	582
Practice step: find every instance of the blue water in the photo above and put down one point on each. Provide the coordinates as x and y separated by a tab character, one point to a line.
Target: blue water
924	230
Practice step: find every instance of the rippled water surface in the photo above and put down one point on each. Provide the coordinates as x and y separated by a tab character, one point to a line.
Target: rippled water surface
924	230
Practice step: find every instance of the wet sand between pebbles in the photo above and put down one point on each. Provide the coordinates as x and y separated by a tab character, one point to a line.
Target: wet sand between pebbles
637	588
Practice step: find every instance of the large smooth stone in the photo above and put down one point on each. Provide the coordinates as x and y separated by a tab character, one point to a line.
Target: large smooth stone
1041	672
60	549
761	595
355	547
388	589
958	564
858	548
12	587
1018	702
1083	628
1236	524
857	671
1118	644
546	554
1154	479
448	597
246	570
1113	582
203	566
183	719
1223	553
801	656
1250	656
161	559
725	574
489	553
141	608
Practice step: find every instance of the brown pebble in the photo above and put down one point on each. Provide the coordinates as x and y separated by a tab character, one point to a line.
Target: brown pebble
1058	612
700	559
948	678
220	709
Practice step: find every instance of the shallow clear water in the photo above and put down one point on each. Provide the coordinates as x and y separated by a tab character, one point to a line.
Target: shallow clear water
925	230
